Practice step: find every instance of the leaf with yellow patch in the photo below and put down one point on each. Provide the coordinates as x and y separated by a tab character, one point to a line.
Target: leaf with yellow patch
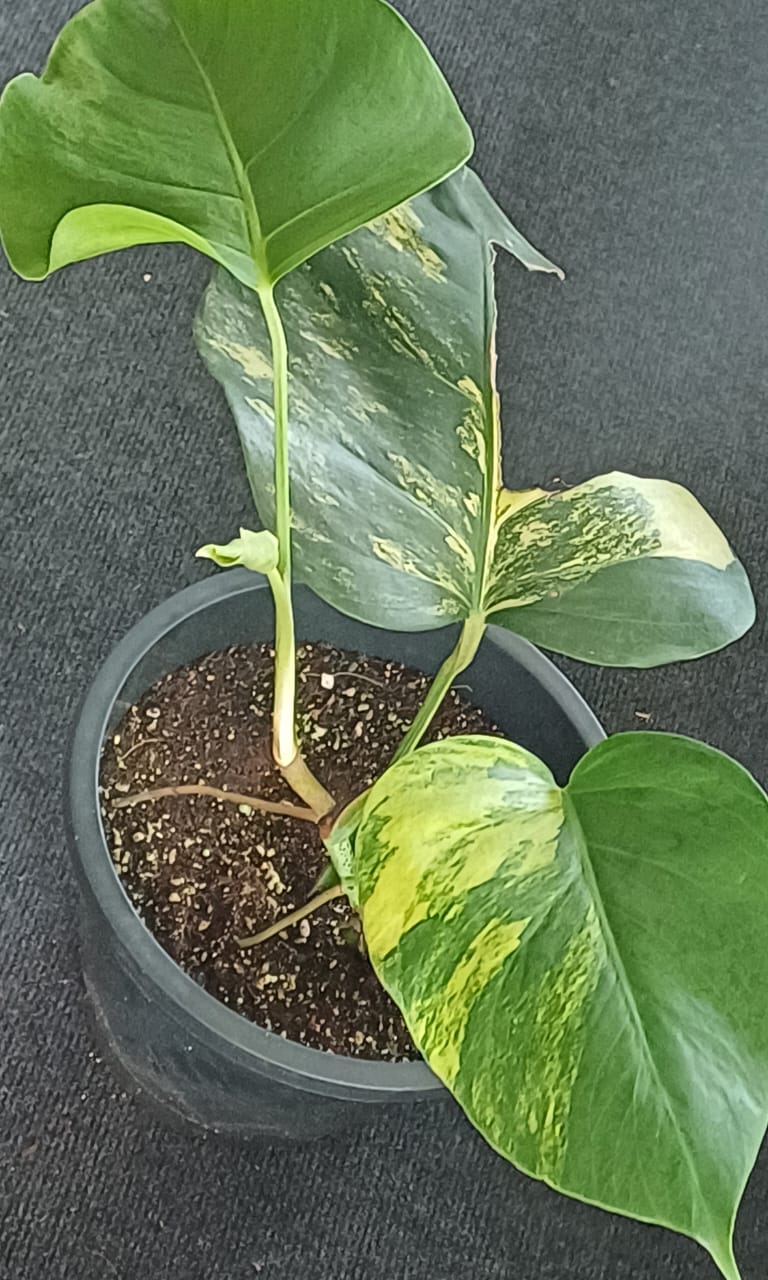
584	967
401	519
620	570
394	440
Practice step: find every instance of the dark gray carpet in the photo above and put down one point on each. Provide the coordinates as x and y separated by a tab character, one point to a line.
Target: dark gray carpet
629	141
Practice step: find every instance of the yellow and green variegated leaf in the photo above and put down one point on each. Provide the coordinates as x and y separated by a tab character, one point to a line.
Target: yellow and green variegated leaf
620	570
585	968
393	419
255	131
400	517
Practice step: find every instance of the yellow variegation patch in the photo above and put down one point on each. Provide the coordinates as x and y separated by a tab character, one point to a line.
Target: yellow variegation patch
401	229
545	543
254	363
554	1013
439	1022
437	867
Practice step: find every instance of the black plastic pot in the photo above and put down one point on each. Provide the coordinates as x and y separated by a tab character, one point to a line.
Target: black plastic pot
191	1054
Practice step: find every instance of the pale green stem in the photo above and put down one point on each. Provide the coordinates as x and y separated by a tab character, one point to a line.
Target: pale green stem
280	404
285	744
458	659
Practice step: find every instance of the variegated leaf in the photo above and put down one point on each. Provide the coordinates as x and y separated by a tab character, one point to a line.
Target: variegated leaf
585	968
395	457
620	570
400	517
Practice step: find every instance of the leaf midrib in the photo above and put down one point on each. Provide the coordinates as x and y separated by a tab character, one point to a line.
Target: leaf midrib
252	221
257	241
492	480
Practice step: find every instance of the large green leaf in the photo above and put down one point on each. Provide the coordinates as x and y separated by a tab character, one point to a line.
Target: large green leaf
256	131
400	514
586	969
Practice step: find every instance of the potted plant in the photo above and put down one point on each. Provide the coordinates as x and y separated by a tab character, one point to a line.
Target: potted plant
578	955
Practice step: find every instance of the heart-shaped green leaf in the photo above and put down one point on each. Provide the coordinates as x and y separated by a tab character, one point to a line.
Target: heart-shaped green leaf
586	969
256	131
400	514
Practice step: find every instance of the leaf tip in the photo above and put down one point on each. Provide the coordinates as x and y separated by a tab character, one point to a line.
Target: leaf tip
720	1249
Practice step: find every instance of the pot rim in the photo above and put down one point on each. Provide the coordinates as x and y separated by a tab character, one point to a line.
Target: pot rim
86	831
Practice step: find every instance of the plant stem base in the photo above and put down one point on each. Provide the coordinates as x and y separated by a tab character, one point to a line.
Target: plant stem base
207	874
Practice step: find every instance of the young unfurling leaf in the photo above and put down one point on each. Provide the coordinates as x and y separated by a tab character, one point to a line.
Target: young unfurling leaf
257	551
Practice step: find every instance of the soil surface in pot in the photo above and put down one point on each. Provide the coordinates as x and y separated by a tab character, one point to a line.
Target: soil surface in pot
203	873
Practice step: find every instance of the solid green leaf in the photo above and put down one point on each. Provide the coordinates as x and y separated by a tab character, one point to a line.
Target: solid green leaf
584	968
259	551
253	130
400	514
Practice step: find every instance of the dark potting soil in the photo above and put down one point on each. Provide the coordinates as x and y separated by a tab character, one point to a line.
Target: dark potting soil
203	872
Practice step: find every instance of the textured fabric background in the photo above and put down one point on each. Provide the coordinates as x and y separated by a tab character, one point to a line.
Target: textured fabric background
627	140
